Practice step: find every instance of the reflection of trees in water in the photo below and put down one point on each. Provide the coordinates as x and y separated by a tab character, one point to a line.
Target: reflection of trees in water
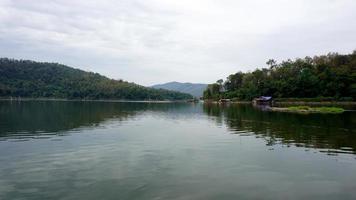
34	117
314	130
328	131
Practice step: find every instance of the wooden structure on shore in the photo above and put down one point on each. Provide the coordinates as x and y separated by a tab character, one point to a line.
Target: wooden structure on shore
223	101
263	100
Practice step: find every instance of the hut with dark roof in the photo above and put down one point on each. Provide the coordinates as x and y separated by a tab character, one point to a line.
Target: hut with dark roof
263	100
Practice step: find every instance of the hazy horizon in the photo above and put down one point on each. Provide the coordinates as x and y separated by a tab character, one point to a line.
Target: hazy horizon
154	41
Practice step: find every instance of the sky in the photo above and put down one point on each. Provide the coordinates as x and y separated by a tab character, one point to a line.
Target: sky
157	41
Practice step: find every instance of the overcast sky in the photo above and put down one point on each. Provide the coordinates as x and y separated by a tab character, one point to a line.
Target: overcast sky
156	41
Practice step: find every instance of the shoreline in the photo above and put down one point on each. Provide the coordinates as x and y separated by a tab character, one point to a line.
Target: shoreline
314	103
230	102
93	100
278	104
282	103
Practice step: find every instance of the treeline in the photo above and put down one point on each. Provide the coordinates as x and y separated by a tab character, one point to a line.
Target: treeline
24	78
332	76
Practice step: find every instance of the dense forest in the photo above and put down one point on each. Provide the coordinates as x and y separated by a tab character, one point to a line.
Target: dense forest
24	78
328	76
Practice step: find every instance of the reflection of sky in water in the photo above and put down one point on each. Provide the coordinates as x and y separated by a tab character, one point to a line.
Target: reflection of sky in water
331	134
169	151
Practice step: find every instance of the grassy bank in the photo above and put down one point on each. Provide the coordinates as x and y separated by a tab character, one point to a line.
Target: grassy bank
307	109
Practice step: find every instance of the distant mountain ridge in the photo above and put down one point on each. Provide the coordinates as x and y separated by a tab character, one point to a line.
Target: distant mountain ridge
195	89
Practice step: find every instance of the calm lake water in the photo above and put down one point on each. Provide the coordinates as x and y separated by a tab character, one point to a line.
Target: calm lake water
98	150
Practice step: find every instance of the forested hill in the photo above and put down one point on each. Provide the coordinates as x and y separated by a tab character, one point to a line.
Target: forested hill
195	89
24	78
331	75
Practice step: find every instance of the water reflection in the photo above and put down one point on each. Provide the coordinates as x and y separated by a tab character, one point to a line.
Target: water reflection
335	132
172	151
41	119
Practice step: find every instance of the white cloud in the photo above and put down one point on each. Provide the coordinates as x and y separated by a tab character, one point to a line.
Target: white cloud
151	41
